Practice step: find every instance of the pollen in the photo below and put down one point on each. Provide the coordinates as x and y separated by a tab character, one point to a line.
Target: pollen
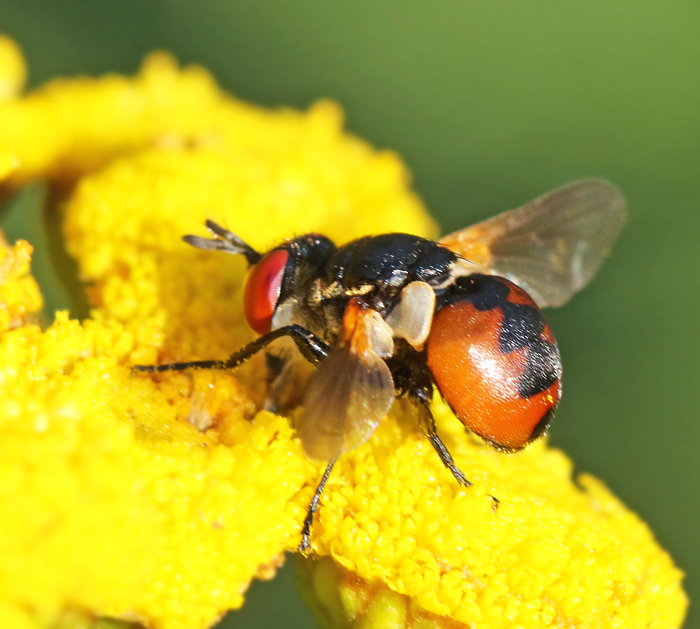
157	498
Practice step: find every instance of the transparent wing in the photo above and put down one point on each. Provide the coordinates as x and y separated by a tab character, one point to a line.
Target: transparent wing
351	391
553	246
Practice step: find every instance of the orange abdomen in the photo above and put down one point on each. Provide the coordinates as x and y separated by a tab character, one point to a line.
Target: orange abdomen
495	361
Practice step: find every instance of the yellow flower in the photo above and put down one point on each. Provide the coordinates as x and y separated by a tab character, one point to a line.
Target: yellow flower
158	498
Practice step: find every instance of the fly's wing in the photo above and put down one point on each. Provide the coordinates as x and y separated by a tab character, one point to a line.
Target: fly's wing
553	246
352	389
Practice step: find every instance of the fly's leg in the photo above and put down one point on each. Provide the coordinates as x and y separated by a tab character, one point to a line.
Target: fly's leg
311	347
305	545
422	397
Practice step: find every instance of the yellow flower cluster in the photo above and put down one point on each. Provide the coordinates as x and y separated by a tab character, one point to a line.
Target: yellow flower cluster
158	498
553	555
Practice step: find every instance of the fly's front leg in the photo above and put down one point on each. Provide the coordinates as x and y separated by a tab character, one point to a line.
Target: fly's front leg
311	347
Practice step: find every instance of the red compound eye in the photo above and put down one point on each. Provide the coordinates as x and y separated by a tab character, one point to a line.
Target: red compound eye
262	290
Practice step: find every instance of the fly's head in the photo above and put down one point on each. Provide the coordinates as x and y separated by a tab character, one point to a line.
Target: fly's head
281	283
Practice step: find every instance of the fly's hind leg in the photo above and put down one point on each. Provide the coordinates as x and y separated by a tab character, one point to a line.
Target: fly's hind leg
421	397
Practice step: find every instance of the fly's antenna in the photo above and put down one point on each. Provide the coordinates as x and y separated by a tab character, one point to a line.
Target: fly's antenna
223	240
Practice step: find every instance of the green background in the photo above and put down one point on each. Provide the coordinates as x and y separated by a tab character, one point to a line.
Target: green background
491	103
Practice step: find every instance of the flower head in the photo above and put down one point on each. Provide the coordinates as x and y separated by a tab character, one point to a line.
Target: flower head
158	498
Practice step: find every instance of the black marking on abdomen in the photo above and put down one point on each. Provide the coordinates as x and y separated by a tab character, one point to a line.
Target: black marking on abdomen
522	327
542	370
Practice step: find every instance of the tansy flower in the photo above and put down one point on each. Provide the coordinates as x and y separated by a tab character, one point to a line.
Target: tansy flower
156	499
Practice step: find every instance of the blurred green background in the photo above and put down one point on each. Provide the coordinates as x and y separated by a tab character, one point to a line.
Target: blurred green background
490	104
